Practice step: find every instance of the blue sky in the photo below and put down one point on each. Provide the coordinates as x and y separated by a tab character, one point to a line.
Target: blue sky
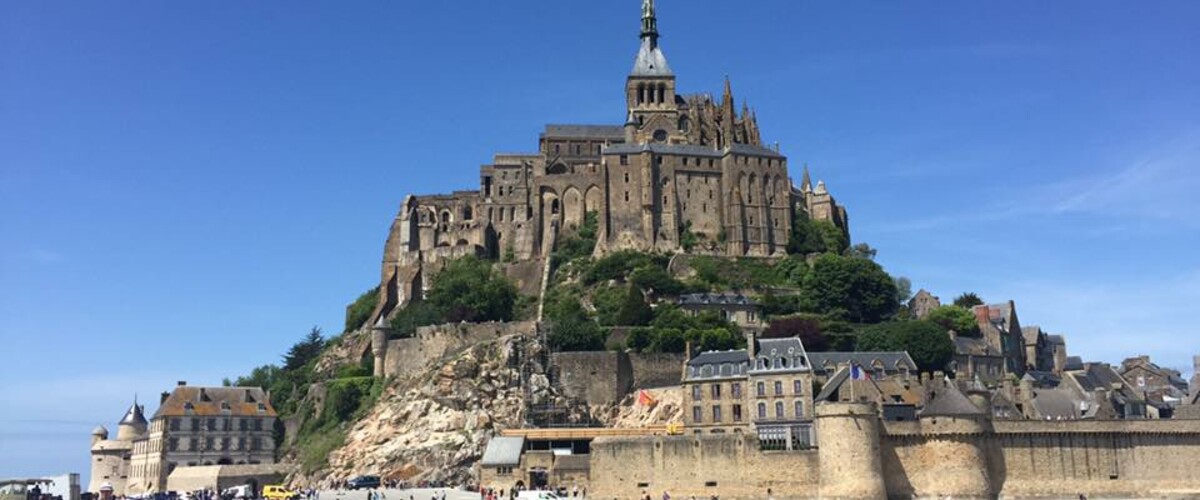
186	189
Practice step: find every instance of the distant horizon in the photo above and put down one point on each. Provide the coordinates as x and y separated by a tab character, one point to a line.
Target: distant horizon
193	187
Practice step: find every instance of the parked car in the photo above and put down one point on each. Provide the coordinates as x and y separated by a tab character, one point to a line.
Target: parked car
538	495
242	492
362	482
278	492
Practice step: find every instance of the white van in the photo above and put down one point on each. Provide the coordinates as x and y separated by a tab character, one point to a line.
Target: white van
239	492
537	495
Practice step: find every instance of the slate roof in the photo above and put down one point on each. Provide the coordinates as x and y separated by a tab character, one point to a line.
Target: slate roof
1031	334
726	298
1056	339
1043	379
1073	363
194	400
584	131
1055	404
864	359
503	451
720	357
650	61
945	400
691	150
134	416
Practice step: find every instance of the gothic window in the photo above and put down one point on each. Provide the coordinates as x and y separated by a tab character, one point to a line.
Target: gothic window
554	207
684	124
662	91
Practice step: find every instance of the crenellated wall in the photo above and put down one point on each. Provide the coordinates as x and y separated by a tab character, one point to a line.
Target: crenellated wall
947	456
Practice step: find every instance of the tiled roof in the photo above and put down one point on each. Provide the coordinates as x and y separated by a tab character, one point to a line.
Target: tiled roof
503	450
730	298
720	357
581	131
1055	404
864	359
239	401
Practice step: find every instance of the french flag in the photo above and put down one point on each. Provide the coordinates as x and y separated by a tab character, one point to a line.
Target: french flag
857	373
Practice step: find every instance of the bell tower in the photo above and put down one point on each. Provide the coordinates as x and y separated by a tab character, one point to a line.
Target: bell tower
650	88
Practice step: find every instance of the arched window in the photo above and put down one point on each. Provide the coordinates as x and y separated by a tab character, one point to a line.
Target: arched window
468	214
662	93
684	125
779	409
641	95
554	206
762	410
799	409
784	361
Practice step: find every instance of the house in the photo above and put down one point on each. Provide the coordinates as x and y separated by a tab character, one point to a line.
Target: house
730	306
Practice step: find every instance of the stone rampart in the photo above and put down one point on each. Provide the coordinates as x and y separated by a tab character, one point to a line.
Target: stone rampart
651	370
407	356
599	378
728	465
962	457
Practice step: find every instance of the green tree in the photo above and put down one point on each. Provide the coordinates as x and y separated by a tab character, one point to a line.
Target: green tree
955	318
903	289
834	238
361	309
655	278
574	334
807	327
468	289
857	290
805	237
862	251
634	310
968	300
304	351
607	300
668	340
639	338
578	243
925	341
416	314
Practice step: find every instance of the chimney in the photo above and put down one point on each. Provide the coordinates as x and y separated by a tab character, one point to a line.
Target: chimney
163	398
751	349
981	314
1196	364
181	383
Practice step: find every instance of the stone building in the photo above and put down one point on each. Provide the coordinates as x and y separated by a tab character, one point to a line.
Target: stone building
739	309
678	165
1039	349
1001	332
922	303
193	427
766	389
111	458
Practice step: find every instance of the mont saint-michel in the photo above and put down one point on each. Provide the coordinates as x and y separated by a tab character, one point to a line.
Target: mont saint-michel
667	301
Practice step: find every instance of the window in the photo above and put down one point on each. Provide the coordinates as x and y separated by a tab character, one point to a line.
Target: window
211	424
556	148
172	444
227	425
242	443
779	409
716	414
174	424
576	150
625	161
737	413
208	444
799	409
716	391
258	424
627	196
697	393
762	410
697	414
243	425
797	386
225	443
256	443
762	389
195	424
778	388
193	444
736	389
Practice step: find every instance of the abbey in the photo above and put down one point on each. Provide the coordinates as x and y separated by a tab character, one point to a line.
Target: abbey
680	168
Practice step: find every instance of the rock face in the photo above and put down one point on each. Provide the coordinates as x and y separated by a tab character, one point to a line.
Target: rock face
434	424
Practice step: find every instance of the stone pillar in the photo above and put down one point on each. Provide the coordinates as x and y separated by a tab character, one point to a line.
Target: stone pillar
379	350
848	446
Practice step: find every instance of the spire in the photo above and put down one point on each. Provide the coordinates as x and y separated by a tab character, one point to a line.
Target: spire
806	180
134	416
650	60
649	23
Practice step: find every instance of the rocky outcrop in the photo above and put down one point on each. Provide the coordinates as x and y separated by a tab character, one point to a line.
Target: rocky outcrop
434	424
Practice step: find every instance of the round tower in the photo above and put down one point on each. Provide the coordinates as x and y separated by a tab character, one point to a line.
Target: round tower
953	429
133	425
848	446
99	434
379	350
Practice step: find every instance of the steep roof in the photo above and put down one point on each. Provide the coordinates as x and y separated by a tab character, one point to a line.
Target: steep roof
724	298
503	450
133	416
890	360
238	401
581	131
720	357
945	400
1055	404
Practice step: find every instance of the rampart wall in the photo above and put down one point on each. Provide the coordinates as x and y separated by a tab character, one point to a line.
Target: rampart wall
406	356
960	457
604	377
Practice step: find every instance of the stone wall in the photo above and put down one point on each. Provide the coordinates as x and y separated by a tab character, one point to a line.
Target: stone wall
962	457
407	356
599	378
728	465
604	377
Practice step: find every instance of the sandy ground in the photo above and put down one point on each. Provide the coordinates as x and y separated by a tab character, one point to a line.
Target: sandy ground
393	494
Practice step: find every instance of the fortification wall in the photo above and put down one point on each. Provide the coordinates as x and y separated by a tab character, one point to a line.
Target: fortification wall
728	465
599	378
652	370
407	356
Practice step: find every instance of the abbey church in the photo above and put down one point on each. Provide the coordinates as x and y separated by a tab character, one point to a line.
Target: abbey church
681	168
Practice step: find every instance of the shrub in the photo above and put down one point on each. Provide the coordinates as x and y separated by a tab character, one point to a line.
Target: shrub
955	318
618	265
468	289
416	314
358	312
575	334
857	290
805	326
634	309
657	279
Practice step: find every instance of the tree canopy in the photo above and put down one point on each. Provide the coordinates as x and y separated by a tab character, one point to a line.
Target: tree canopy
968	300
955	318
304	351
925	341
468	289
857	290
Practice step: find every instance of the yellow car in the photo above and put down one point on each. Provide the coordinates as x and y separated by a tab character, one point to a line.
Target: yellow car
278	492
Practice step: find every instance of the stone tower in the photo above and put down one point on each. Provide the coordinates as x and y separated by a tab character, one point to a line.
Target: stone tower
848	446
952	426
133	425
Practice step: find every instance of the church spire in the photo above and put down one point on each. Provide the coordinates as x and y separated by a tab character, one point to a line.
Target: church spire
806	181
649	23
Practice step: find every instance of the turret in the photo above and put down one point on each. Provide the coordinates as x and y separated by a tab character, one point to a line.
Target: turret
99	434
133	425
379	350
849	430
953	429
